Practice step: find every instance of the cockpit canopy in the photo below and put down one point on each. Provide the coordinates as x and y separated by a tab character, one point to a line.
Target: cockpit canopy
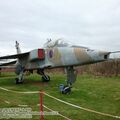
56	43
61	43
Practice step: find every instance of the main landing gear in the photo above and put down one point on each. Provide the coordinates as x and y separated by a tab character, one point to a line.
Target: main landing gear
45	78
20	78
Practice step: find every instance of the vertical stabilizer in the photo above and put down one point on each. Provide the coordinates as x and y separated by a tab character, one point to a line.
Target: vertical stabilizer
17	48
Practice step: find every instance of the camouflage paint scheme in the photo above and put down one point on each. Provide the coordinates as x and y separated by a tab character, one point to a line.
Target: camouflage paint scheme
68	56
58	55
52	55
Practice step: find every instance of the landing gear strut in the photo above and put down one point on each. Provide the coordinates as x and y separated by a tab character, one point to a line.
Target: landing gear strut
71	78
71	75
20	78
45	78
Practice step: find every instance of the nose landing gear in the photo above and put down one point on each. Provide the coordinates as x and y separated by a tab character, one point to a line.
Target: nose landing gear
71	78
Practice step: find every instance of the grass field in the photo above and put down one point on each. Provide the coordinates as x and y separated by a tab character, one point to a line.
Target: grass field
97	93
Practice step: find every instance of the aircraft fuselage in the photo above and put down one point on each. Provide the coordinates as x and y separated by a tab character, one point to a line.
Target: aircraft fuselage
63	56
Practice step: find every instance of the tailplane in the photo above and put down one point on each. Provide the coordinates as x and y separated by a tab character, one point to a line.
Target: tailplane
17	48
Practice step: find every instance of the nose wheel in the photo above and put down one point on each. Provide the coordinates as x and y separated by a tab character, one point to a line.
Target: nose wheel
65	89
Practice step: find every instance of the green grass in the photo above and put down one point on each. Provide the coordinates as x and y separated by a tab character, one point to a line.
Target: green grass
98	93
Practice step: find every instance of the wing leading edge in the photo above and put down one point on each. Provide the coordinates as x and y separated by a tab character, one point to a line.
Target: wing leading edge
8	63
21	55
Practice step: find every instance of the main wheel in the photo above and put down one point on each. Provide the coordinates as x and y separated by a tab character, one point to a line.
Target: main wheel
45	78
18	82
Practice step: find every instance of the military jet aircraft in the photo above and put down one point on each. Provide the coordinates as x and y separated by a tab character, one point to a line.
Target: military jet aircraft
54	55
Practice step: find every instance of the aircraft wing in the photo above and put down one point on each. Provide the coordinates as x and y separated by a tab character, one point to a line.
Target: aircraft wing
8	63
21	55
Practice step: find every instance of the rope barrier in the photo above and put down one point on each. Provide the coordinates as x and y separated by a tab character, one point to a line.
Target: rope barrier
67	103
58	113
85	109
29	92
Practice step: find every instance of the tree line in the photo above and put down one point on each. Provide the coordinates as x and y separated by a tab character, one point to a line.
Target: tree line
108	68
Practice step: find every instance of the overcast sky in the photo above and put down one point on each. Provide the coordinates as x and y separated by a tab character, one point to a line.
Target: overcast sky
91	23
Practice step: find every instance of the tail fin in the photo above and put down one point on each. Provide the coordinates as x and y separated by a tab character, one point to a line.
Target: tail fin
17	48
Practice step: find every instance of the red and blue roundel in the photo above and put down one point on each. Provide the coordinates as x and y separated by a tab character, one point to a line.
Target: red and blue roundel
51	53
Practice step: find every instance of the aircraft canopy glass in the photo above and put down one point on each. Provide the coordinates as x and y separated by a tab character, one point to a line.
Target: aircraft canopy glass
61	43
56	43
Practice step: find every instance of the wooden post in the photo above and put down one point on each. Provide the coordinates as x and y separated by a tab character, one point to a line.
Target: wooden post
41	106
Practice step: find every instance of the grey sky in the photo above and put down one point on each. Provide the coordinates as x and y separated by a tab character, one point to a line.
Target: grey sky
92	23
